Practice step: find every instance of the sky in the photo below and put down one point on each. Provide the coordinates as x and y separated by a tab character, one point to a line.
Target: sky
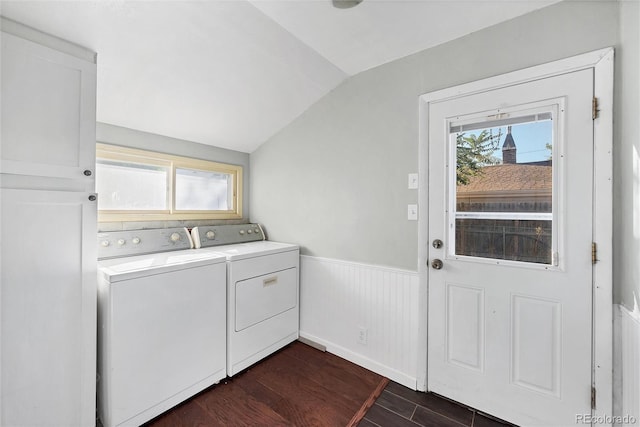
530	139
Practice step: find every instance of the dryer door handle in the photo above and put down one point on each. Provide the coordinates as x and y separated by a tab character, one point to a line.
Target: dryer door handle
270	281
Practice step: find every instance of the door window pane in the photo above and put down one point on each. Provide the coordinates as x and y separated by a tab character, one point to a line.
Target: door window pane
127	186
198	190
504	189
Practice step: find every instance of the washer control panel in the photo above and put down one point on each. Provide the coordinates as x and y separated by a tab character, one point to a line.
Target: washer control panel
115	244
215	235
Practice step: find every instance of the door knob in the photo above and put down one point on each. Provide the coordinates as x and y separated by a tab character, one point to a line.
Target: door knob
437	243
436	264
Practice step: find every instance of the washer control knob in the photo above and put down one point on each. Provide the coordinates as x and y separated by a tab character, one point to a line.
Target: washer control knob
249	231
121	242
175	237
242	232
105	243
135	240
210	235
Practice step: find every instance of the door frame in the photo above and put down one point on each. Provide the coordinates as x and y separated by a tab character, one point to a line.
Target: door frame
601	61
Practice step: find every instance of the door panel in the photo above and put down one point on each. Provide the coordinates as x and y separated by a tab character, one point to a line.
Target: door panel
510	320
465	338
535	344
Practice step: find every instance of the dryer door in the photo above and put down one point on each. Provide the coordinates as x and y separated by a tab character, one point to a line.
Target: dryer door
263	297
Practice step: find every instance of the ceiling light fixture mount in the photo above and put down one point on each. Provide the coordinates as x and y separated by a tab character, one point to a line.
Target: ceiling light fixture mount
345	4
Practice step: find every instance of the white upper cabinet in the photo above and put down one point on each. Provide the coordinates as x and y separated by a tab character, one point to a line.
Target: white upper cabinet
48	111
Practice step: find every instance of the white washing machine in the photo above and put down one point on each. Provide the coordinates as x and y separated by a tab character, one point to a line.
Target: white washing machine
161	323
262	291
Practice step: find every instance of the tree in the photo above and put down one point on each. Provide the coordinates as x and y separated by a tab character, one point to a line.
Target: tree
474	152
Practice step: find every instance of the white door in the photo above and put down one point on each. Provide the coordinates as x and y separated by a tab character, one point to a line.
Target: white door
48	308
510	304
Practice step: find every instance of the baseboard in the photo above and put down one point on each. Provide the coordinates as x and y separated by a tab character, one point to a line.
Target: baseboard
311	343
360	360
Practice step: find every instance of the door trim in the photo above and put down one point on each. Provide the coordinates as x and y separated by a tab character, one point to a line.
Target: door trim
601	61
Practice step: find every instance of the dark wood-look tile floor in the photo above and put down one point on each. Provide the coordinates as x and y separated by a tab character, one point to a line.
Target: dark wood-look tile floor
399	406
304	387
296	386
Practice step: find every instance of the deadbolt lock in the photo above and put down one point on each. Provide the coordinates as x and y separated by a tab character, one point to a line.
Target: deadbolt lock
437	243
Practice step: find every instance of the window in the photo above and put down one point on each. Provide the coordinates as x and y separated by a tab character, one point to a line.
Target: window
138	185
504	200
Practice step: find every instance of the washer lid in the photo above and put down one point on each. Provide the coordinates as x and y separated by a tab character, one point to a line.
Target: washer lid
254	249
118	269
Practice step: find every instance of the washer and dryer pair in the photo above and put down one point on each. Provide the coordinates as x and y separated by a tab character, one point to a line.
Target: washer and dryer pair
173	320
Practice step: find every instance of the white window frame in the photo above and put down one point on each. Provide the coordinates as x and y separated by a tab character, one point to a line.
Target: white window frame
171	162
551	108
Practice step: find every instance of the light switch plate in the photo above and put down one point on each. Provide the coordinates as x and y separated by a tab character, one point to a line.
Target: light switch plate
413	181
412	212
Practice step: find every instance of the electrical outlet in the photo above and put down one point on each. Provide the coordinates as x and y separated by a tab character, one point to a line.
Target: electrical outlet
362	335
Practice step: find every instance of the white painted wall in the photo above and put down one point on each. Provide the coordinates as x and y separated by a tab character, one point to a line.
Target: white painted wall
340	299
627	158
627	404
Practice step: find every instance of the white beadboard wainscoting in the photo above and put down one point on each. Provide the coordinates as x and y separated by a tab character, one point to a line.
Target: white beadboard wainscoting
627	377
344	303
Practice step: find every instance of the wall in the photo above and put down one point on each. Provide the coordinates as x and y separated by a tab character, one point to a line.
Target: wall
341	301
147	141
335	180
627	159
627	392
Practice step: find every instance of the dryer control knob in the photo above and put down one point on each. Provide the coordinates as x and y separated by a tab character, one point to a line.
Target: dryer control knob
175	237
105	243
241	231
121	242
135	240
210	235
249	231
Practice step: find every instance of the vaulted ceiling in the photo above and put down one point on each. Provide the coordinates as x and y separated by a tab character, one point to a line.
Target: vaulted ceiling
233	73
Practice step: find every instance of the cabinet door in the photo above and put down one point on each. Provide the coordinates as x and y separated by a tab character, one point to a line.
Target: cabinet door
47	308
48	111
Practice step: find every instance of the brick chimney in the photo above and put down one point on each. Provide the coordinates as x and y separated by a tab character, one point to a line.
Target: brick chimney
509	149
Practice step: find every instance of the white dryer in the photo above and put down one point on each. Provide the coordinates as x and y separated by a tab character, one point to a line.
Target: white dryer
161	323
262	291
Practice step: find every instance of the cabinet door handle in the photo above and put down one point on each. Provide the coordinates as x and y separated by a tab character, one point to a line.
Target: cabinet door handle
87	172
92	198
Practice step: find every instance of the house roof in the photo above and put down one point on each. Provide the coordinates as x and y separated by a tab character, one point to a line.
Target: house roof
509	178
